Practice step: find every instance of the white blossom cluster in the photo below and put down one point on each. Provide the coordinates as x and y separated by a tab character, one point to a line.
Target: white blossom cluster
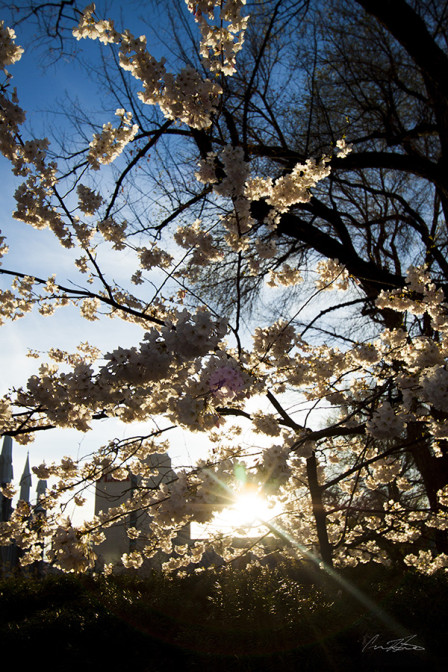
109	144
422	353
383	471
236	172
194	335
366	354
3	246
70	551
206	172
102	30
384	423
71	399
11	116
8	490
274	342
426	563
154	256
113	232
343	149
89	201
30	154
28	158
187	96
194	237
295	187
431	301
434	387
332	275
423	378
5	413
191	496
34	207
89	309
15	304
132	560
220	44
182	370
266	423
266	250
284	277
226	382
274	467
9	51
238	185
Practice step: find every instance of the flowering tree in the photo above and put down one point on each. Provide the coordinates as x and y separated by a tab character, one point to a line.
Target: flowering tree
371	484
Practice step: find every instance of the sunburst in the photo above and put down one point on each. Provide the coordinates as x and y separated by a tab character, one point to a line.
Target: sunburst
249	510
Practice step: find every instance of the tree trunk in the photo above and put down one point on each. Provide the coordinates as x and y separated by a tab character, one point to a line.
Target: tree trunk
319	512
434	472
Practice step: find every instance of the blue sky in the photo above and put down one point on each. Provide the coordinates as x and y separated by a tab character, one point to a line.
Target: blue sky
43	91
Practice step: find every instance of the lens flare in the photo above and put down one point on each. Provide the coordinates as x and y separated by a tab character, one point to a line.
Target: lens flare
249	510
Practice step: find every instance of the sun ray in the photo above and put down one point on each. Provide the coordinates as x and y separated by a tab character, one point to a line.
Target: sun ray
248	511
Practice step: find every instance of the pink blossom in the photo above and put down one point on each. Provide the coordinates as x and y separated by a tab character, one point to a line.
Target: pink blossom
226	382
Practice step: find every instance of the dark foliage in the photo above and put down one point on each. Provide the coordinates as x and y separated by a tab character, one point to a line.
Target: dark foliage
256	619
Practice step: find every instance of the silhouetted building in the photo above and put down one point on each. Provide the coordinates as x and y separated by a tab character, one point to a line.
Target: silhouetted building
110	493
9	555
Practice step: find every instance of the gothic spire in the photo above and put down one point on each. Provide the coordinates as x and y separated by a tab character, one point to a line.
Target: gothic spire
25	481
6	473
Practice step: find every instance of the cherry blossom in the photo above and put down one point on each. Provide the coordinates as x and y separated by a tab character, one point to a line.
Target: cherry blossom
192	367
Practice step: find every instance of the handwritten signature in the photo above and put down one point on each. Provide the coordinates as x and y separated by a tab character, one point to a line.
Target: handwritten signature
393	645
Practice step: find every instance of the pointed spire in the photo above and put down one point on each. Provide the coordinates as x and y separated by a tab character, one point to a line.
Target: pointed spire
6	476
25	481
6	473
40	490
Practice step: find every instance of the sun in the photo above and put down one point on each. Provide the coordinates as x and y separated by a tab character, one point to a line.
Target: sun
248	511
250	508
